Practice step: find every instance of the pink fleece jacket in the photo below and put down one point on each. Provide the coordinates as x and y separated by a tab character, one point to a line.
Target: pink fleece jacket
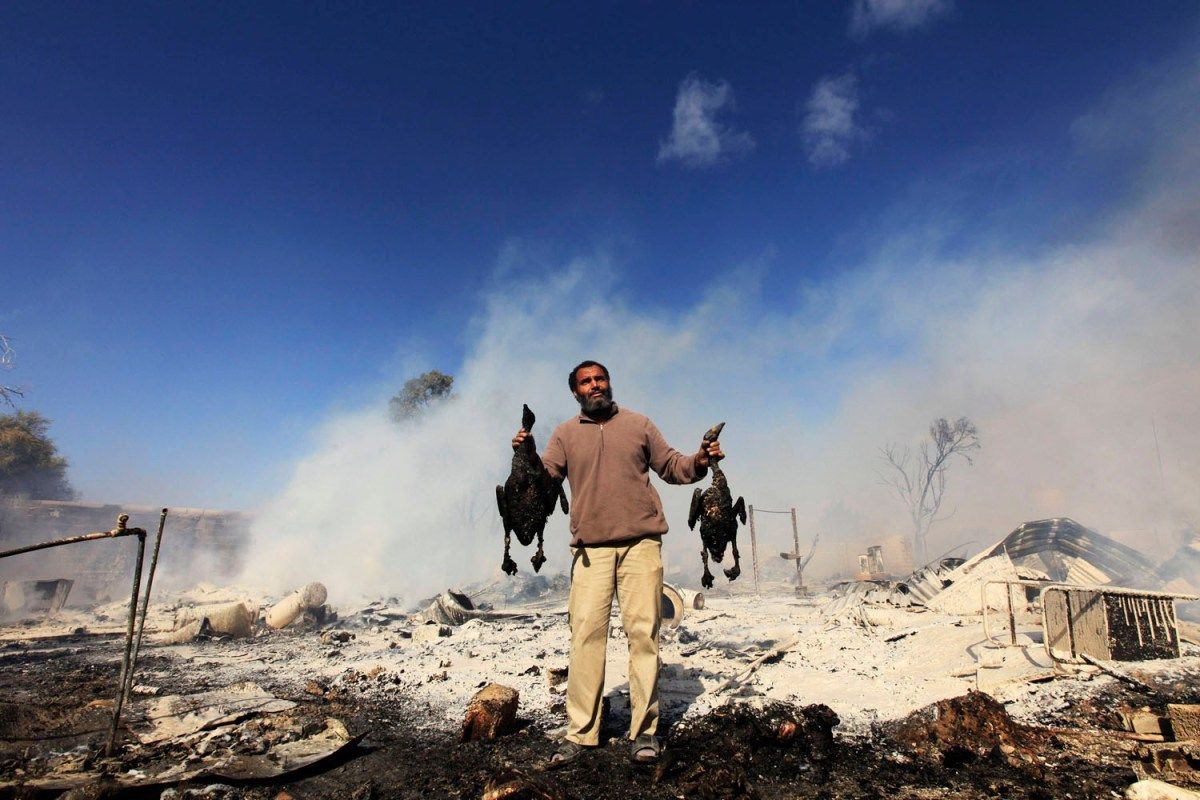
607	465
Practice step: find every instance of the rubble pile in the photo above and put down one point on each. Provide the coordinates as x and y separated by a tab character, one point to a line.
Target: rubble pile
959	730
896	687
737	750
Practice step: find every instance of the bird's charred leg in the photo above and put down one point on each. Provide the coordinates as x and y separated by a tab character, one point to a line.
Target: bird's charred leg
733	572
539	557
508	565
707	579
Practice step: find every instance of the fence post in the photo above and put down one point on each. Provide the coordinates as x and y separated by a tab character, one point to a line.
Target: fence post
799	562
754	549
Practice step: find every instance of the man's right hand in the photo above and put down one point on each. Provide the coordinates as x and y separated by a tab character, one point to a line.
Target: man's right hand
521	436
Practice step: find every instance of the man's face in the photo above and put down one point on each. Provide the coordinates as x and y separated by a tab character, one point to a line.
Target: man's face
592	390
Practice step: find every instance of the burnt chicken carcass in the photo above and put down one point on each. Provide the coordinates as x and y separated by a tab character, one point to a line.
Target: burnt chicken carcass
718	516
527	498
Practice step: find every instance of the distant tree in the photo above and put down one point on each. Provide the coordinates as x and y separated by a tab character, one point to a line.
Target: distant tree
7	393
419	393
920	481
29	461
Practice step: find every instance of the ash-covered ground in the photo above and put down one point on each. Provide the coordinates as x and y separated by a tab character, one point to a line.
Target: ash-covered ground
832	707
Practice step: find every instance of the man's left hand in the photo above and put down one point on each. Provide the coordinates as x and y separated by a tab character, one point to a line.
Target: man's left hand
709	452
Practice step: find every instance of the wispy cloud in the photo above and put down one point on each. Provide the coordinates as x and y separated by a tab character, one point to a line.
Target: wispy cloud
698	138
831	127
895	15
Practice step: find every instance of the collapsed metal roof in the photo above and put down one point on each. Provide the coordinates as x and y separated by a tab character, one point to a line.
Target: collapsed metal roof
1067	551
1056	550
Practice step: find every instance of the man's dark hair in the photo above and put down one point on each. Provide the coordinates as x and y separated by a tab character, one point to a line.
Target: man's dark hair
581	365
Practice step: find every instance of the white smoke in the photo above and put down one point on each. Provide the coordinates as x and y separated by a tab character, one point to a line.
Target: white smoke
1069	362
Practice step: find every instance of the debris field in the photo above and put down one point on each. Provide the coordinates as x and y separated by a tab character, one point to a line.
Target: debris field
762	696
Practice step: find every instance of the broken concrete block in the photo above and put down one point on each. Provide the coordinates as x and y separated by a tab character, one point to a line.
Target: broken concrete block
186	632
230	619
1185	721
1171	761
286	611
430	632
492	712
1142	721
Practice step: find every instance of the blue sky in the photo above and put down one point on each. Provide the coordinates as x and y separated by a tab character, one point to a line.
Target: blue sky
222	224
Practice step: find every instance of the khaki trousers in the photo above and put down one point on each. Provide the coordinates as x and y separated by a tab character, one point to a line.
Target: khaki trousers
634	571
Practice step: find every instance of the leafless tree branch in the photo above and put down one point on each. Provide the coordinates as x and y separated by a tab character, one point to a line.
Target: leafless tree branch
920	483
811	551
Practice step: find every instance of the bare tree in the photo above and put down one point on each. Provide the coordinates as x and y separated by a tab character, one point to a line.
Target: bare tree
920	481
7	393
801	563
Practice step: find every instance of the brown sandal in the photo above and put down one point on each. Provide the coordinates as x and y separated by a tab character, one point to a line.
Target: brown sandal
567	752
646	749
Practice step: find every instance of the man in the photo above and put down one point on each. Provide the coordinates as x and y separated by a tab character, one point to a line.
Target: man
617	523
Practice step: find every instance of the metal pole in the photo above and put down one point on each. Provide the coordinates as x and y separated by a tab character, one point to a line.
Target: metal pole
754	549
87	537
125	670
137	645
799	565
1012	619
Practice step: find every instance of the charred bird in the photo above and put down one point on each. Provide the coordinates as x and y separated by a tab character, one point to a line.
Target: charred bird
526	500
718	516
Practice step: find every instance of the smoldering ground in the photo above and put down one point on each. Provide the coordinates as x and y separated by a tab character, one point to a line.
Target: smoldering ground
1078	361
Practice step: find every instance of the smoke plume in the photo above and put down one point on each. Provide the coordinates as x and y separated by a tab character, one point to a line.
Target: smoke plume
1080	365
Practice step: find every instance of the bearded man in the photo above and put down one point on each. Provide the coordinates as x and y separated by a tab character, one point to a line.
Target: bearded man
617	524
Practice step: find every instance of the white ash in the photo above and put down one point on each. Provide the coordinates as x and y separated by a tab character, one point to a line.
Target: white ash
852	667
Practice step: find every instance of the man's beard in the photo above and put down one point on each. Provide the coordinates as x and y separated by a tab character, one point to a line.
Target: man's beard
596	406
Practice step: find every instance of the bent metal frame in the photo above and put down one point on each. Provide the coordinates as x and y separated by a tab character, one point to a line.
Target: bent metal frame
132	643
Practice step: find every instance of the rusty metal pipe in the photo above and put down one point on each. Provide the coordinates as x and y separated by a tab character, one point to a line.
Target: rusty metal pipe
137	644
125	665
86	537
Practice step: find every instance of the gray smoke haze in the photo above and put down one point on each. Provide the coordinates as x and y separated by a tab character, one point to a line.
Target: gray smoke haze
1068	361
